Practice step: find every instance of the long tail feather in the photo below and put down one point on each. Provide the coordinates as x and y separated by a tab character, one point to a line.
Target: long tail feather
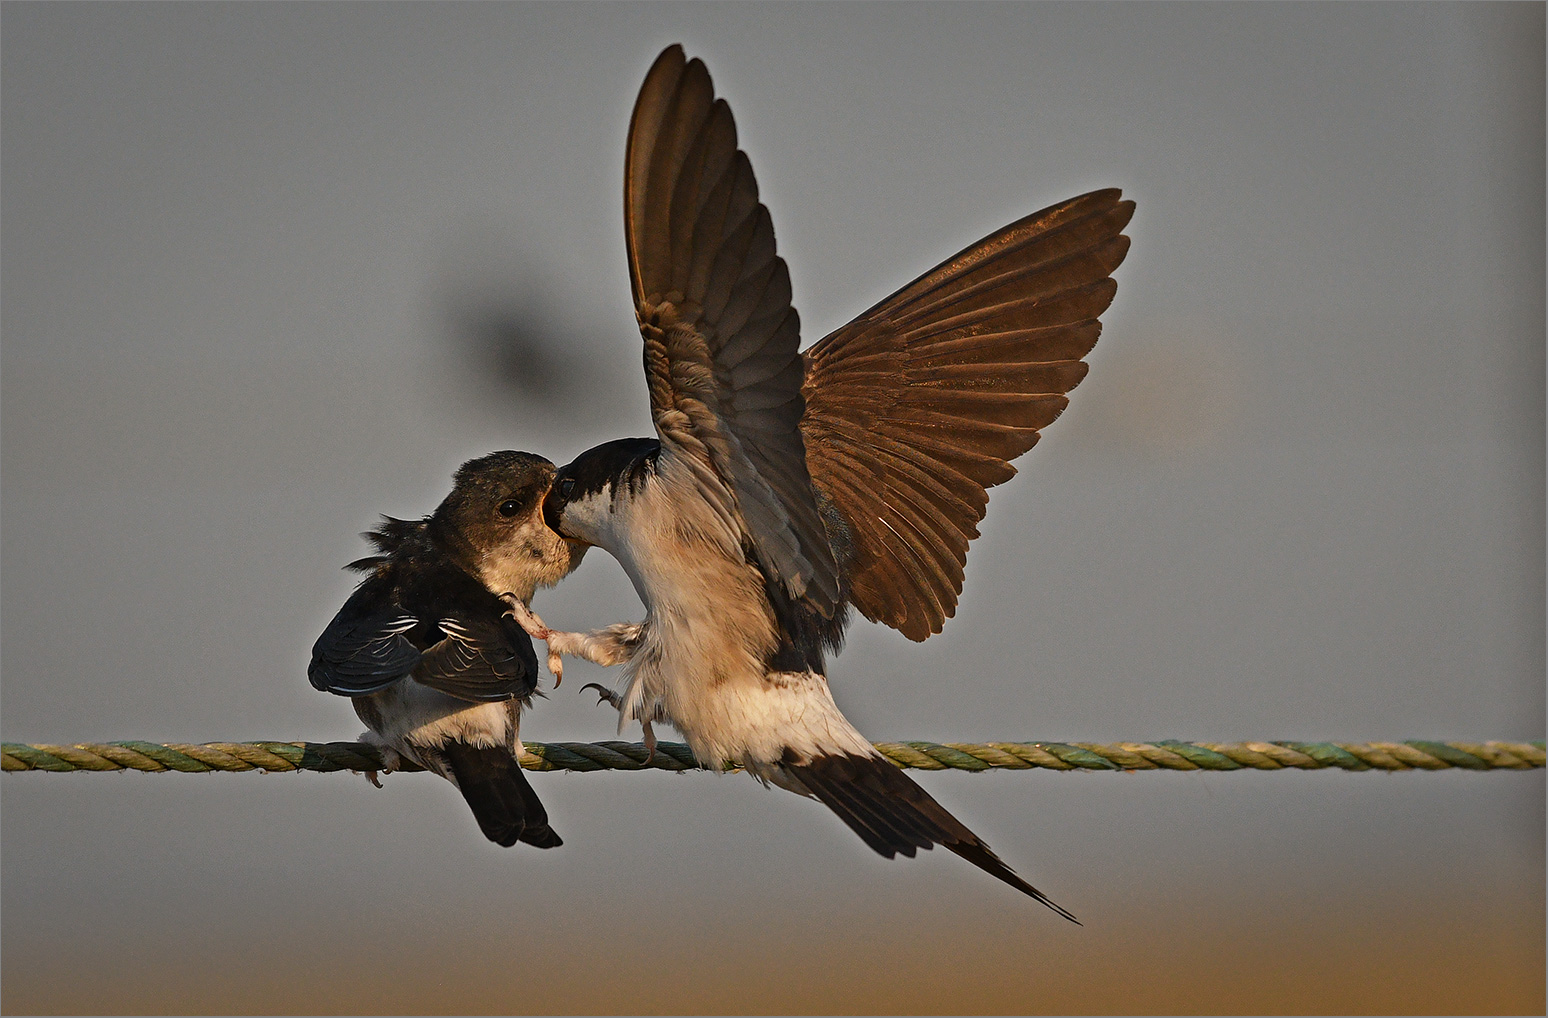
894	815
503	803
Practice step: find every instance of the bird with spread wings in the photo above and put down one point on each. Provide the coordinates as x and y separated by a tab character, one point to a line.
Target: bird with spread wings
784	488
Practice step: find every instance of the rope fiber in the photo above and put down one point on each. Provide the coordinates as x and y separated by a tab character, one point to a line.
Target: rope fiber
1171	755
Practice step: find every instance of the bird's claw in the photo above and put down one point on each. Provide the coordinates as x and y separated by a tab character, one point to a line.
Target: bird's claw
391	760
536	628
526	618
371	776
608	696
604	695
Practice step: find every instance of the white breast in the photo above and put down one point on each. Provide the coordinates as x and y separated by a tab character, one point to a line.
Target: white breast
708	631
406	717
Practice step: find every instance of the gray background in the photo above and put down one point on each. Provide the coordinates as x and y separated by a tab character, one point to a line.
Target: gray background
271	270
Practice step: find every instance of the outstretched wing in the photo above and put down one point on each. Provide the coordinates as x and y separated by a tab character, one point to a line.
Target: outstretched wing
480	660
721	339
917	406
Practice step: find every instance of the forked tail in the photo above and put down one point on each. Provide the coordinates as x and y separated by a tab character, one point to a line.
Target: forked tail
506	807
894	815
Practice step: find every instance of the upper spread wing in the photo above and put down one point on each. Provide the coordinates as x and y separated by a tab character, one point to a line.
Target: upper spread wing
917	406
481	660
721	339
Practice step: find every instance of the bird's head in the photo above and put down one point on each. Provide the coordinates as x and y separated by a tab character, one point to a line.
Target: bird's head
493	522
582	504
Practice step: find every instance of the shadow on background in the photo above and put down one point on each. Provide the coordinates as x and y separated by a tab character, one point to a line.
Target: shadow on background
509	353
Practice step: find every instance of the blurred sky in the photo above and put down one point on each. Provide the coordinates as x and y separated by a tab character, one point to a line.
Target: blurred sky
270	270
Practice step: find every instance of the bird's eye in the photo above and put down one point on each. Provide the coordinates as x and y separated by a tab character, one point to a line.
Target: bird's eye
510	507
567	487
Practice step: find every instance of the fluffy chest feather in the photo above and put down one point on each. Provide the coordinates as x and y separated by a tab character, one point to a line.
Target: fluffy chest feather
703	600
709	629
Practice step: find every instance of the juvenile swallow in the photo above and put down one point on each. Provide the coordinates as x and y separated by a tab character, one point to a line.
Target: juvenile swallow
783	488
426	650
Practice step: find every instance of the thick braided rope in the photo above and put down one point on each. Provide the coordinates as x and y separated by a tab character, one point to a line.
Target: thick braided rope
931	756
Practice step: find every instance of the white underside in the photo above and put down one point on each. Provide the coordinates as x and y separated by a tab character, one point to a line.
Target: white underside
752	720
406	718
699	664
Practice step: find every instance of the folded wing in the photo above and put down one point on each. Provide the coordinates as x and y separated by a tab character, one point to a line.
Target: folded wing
369	646
480	660
365	648
920	404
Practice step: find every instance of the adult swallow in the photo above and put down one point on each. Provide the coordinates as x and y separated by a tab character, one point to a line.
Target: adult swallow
426	650
783	488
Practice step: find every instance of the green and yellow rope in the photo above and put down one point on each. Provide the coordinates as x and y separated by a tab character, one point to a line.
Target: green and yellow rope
1170	755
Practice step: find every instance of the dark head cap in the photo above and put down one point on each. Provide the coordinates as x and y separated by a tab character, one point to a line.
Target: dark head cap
604	469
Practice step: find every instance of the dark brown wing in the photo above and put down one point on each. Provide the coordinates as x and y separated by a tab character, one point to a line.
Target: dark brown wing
365	648
721	339
918	405
480	659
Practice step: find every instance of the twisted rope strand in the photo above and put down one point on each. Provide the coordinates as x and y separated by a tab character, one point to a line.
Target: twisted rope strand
275	757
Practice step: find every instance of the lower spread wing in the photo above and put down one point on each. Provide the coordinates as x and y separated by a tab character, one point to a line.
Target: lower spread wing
721	338
919	405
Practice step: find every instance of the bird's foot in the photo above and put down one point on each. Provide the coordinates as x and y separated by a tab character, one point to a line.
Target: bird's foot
650	742
525	617
536	628
604	695
391	759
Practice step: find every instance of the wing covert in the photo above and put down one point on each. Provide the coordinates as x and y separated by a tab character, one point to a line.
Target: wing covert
721	338
480	660
363	649
370	645
921	403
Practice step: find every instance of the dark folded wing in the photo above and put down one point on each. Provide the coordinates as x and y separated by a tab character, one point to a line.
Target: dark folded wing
721	339
364	648
480	660
917	406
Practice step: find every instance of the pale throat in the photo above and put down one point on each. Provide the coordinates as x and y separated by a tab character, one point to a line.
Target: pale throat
715	605
509	571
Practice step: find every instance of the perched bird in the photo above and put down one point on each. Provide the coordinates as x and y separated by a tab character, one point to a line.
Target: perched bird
783	488
427	651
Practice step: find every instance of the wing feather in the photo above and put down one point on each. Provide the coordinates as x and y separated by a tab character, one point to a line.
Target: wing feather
365	648
919	405
481	660
721	338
